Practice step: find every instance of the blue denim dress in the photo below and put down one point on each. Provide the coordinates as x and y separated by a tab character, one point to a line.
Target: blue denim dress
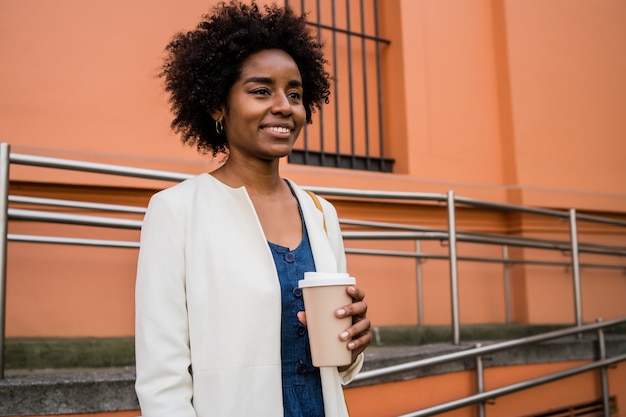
302	388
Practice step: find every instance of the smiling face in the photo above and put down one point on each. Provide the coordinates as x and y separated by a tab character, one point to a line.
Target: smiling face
264	113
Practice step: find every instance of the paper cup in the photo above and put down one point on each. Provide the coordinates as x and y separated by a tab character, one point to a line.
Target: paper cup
323	293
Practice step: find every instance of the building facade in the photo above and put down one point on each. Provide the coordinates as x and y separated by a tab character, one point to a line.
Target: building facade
512	102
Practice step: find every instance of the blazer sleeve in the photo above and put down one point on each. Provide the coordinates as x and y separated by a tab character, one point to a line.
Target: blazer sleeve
164	380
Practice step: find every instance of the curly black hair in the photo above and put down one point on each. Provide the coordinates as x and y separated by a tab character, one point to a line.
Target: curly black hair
203	64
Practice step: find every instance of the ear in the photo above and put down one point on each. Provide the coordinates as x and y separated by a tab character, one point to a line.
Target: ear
217	114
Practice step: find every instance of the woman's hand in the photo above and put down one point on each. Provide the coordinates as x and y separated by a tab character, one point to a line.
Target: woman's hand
358	335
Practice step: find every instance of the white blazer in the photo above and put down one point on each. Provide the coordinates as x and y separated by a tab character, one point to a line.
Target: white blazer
208	306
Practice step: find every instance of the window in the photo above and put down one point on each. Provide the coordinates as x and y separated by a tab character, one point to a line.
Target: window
348	132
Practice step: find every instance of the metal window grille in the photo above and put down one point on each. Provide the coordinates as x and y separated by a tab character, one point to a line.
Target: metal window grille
348	132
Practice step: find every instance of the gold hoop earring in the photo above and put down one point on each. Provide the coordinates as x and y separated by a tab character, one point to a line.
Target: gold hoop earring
219	126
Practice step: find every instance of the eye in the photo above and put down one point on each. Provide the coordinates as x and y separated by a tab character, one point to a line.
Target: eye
295	95
261	92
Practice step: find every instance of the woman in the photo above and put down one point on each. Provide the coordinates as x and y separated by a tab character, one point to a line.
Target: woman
220	329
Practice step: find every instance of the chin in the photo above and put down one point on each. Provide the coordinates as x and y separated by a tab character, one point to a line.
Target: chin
281	152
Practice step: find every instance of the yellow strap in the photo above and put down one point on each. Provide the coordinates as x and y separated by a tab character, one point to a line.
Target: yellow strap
316	200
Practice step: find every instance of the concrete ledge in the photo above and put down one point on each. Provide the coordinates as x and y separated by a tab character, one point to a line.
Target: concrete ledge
61	391
98	386
414	335
42	353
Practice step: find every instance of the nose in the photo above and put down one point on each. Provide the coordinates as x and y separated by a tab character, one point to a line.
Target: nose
281	104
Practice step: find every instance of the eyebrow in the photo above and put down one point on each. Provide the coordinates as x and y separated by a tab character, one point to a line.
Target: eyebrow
268	80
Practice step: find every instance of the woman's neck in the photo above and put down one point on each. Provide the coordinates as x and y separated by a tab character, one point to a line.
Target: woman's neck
258	178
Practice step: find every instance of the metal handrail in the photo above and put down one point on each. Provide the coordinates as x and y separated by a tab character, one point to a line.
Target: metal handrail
76	204
480	351
112	169
498	392
351	251
442	198
534	210
73	241
94	167
511	261
422	233
486	349
486	239
448	201
64	218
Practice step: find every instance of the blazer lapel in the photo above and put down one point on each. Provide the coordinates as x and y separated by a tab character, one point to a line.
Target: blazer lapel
323	254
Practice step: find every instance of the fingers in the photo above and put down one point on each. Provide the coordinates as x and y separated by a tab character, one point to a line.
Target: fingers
302	317
358	335
356	293
360	343
357	308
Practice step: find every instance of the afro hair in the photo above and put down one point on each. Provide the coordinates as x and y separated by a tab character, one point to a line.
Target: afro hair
203	64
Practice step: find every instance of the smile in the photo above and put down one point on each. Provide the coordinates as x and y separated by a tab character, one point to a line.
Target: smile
277	129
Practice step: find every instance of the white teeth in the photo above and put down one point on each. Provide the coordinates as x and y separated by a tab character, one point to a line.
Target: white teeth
279	129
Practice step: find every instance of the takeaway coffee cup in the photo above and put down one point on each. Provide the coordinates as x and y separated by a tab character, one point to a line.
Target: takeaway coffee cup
323	293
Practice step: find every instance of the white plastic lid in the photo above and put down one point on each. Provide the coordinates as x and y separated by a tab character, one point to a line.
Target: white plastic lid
320	279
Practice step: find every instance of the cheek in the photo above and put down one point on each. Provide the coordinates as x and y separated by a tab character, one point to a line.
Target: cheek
300	115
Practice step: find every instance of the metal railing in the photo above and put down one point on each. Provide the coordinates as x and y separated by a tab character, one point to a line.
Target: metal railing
419	234
478	352
390	231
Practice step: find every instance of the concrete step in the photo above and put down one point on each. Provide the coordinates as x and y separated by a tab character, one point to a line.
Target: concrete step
64	376
42	353
67	391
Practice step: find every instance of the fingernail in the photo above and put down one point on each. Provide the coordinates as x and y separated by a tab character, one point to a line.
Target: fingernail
341	312
351	345
344	335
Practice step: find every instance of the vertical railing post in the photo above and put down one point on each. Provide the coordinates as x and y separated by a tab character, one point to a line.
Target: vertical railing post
5	151
507	284
575	267
606	406
480	382
420	295
454	284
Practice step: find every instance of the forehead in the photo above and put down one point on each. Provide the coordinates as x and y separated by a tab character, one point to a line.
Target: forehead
270	63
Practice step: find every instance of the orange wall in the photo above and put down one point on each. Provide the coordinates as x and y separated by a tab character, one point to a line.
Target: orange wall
568	93
79	80
48	298
499	100
515	98
417	394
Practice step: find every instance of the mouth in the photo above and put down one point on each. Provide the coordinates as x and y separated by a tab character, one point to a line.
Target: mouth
282	130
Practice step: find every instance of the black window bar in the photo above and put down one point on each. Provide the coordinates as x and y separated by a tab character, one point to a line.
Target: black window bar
336	139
